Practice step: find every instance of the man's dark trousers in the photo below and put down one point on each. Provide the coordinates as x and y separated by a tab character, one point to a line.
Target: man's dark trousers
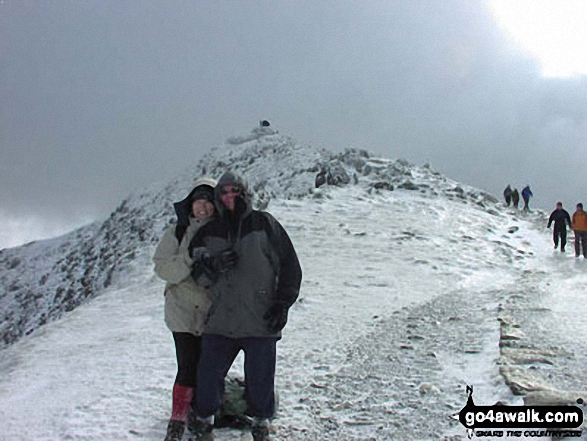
562	233
581	242
218	354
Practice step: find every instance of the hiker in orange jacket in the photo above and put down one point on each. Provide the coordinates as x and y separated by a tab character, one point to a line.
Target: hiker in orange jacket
580	228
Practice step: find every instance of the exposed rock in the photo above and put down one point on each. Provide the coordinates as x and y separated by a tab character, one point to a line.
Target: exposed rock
14	263
426	389
490	198
320	178
336	175
553	397
508	332
381	185
408	185
520	381
332	174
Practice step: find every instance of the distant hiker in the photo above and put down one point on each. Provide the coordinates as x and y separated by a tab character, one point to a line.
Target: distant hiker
248	261
515	198
507	194
186	304
526	195
580	228
561	218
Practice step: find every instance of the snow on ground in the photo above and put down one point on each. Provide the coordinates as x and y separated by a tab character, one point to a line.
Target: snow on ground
397	314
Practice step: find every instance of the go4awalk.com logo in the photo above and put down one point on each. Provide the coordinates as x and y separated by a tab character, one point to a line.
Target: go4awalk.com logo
516	421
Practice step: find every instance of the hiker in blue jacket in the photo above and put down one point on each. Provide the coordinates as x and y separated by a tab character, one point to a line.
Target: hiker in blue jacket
526	195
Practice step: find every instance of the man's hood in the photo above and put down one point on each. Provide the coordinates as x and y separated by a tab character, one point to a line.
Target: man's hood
229	178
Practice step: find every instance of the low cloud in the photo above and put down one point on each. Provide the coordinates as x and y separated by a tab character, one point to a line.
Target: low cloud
102	98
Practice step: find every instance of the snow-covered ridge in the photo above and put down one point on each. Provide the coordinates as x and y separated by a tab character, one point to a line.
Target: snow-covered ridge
42	280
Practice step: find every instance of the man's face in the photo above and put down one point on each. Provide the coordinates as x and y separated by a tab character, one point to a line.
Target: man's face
559	206
227	195
579	208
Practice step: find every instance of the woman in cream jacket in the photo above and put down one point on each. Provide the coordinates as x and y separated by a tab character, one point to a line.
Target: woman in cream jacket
186	304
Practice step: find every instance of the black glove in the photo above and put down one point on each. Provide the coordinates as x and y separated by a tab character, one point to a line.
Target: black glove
224	261
212	265
202	264
276	317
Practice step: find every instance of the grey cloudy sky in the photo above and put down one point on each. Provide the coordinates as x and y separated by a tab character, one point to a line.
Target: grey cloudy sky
102	97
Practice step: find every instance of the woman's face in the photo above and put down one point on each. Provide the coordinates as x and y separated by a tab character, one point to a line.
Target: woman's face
202	209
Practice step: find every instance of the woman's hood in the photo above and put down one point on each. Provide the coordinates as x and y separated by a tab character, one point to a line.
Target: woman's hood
183	208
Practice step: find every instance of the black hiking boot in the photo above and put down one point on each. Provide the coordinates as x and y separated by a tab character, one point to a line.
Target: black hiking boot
260	433
192	420
175	430
202	429
260	430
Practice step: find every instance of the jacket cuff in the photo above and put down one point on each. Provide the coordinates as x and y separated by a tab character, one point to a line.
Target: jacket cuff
187	259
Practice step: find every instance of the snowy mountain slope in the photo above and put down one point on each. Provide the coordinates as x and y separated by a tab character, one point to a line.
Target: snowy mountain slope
41	281
398	312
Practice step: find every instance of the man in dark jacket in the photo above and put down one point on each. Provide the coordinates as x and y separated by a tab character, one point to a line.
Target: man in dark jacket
515	198
561	218
507	194
252	270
